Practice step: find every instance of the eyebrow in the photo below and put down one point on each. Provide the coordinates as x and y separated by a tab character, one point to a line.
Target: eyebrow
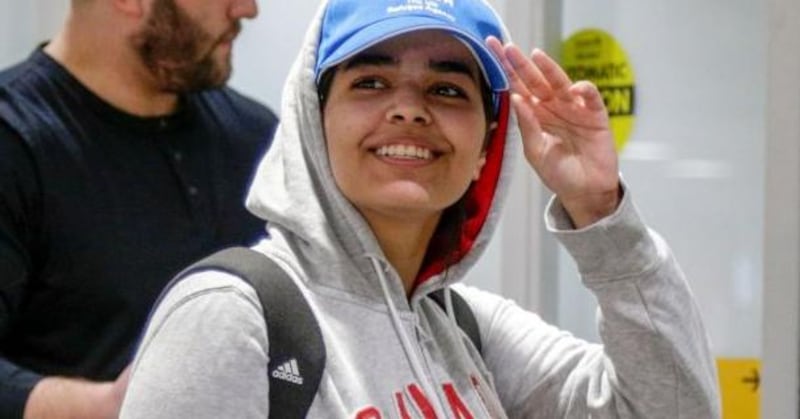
366	59
441	66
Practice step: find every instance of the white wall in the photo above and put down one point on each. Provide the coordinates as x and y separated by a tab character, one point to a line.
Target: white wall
695	161
268	46
26	23
780	384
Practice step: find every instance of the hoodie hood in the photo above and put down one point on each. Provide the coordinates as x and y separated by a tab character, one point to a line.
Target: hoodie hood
295	192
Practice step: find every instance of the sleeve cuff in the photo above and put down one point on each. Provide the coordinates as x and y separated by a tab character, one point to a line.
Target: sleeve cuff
615	247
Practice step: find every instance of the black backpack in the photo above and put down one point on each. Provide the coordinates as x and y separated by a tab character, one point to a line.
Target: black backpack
295	340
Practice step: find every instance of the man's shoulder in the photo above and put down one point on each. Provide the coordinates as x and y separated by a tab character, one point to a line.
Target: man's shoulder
238	114
228	99
21	85
10	76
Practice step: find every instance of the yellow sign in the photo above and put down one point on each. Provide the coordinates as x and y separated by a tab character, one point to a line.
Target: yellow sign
594	55
740	381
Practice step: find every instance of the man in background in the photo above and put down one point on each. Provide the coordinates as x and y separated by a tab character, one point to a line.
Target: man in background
123	158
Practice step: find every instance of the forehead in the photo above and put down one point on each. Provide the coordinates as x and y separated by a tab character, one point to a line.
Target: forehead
427	44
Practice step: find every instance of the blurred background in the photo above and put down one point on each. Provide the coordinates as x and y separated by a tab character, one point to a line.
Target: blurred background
710	117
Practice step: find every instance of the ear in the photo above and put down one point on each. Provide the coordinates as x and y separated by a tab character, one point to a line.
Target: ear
479	167
482	160
131	8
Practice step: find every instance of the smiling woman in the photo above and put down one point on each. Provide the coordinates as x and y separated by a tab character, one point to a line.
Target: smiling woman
405	127
383	187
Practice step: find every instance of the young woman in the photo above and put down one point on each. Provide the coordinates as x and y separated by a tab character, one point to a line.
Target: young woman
384	184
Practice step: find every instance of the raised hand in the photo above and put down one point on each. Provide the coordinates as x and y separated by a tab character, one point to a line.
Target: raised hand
566	134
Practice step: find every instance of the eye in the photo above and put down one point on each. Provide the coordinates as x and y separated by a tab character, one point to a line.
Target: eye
369	83
449	90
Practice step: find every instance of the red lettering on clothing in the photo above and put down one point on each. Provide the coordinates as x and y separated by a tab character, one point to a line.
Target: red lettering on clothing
401	406
421	405
369	413
457	406
422	402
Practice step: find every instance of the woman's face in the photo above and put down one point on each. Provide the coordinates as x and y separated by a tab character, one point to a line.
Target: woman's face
404	125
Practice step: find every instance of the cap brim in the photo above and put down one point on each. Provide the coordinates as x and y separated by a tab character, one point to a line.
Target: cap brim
383	30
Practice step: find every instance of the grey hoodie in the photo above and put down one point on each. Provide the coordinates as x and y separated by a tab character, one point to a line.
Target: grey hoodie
205	351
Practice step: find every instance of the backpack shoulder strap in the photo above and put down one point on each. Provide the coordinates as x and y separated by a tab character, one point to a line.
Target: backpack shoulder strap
296	348
465	318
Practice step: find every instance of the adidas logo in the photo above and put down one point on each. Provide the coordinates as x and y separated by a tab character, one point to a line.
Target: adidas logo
288	372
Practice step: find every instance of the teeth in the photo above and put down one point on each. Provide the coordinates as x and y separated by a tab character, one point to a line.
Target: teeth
404	152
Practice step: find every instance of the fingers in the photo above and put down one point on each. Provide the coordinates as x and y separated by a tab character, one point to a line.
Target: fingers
556	77
528	73
524	77
517	84
523	98
592	99
529	125
537	75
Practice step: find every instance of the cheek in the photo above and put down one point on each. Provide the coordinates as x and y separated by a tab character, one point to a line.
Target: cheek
345	124
331	140
338	143
472	154
469	133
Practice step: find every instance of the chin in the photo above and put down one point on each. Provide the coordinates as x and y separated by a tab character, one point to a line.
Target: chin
220	74
223	69
413	202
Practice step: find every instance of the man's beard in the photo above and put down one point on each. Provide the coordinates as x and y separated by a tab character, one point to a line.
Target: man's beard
170	46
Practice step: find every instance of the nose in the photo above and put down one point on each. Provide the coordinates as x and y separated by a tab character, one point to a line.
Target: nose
244	9
409	107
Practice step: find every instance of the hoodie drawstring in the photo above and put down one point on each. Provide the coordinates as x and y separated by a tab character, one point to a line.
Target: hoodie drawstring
448	305
494	409
405	340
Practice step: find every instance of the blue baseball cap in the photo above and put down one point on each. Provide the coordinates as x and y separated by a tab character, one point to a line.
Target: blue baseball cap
352	26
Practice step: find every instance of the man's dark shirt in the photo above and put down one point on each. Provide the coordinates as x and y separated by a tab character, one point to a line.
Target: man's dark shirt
99	208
